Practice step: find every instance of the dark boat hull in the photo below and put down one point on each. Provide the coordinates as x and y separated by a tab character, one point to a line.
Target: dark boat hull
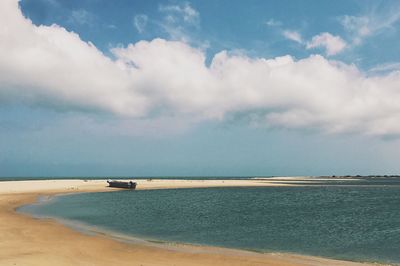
122	184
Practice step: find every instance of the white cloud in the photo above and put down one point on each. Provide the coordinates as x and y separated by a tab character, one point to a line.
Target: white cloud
47	65
273	23
81	16
185	11
180	21
377	18
51	67
140	22
387	67
293	36
358	27
332	44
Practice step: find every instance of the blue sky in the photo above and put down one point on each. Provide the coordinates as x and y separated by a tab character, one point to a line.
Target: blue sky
158	88
255	27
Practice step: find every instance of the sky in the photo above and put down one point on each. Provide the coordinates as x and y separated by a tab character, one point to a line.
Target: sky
199	88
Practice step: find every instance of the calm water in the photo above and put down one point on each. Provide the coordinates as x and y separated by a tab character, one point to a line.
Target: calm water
355	223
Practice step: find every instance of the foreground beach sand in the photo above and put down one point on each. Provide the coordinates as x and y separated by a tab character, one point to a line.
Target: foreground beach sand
25	240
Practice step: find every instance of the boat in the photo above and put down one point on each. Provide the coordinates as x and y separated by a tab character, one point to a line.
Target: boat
122	184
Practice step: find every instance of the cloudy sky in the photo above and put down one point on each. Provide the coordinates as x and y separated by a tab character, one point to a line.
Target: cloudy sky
155	88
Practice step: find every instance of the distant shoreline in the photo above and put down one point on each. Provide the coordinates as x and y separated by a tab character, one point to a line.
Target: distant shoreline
330	177
46	242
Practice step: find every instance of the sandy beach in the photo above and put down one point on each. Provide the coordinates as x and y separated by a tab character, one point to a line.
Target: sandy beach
25	240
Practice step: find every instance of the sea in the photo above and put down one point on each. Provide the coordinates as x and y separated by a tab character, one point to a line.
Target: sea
357	221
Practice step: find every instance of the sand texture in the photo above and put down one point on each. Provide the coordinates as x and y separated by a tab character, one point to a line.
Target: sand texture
25	240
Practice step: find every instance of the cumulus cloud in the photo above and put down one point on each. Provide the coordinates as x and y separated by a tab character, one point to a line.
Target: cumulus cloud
51	67
47	65
293	36
332	44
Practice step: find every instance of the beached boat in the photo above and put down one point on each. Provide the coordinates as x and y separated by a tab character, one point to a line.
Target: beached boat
121	184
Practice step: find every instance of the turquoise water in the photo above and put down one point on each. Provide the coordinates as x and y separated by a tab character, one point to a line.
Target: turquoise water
348	222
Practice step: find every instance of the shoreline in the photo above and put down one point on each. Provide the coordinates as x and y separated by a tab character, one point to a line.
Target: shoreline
27	240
